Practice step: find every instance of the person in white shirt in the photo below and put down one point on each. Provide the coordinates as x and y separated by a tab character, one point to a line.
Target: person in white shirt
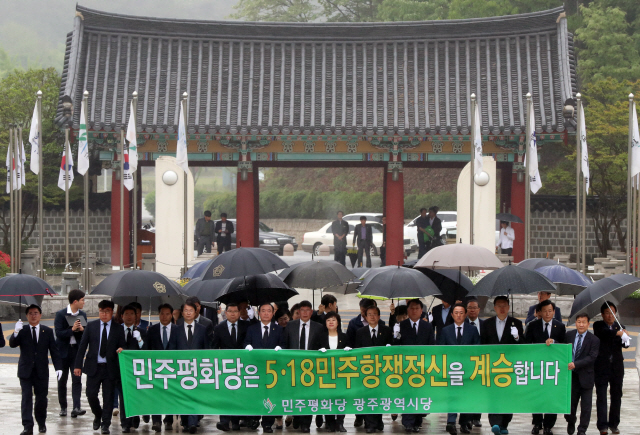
506	238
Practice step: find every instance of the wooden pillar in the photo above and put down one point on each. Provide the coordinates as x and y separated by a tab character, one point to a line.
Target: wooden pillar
247	211
518	209
394	211
115	224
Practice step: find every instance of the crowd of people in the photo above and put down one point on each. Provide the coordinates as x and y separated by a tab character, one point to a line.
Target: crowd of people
92	348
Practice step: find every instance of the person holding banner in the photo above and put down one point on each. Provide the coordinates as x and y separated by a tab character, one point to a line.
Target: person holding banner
104	340
358	322
460	332
584	353
373	335
134	340
162	336
501	329
545	330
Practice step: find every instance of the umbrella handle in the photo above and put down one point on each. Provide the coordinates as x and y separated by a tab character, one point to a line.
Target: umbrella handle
614	314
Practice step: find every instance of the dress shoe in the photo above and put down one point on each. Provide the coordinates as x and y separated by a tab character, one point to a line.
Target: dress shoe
495	429
75	412
394	417
223	427
96	423
451	428
126	430
63	412
416	429
547	431
27	431
145	418
477	423
267	429
319	421
235	426
464	428
614	430
193	429
536	430
380	426
254	424
305	429
156	427
279	423
288	420
341	427
359	421
136	422
571	428
42	429
105	430
370	430
408	429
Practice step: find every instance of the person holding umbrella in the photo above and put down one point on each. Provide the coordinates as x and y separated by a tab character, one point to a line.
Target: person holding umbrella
609	367
501	329
507	236
545	330
340	230
328	303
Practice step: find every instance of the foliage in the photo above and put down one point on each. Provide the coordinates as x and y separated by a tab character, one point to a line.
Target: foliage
276	10
5	259
4	269
150	203
413	10
351	10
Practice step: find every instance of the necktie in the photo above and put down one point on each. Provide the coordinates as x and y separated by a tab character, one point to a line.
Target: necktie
165	340
415	328
265	336
473	323
128	337
578	348
546	329
34	335
303	337
189	334
459	335
103	342
234	336
373	337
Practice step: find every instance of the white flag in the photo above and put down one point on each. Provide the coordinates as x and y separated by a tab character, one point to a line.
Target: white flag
181	153
34	140
61	181
635	145
535	182
133	142
22	175
83	144
11	170
583	148
128	177
477	143
533	147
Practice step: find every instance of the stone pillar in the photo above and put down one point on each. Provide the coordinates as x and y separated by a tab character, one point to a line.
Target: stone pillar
518	209
29	261
115	223
69	282
148	262
247	208
394	211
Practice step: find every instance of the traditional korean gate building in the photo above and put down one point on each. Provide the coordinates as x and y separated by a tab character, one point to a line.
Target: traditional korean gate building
386	95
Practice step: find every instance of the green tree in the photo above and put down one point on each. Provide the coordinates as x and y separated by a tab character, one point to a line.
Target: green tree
350	10
5	63
276	10
413	10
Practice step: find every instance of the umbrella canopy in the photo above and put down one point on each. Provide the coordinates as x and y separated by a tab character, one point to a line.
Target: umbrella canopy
346	289
257	289
459	256
243	262
22	289
197	270
614	289
205	290
453	284
392	282
508	217
360	271
317	275
568	281
512	280
536	263
148	288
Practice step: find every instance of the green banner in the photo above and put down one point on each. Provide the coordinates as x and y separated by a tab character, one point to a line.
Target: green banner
532	378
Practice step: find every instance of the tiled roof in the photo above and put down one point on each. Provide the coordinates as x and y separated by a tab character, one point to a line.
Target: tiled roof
409	78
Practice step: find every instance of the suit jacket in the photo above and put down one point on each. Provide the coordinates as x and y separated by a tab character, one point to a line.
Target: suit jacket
34	356
229	229
291	334
154	337
208	324
321	341
354	325
489	333
64	331
91	340
357	236
531	315
2	342
586	360
222	338
478	324
610	359
470	335
133	343
254	336
200	339
408	338
384	336
144	325
201	225
535	332
437	323
340	228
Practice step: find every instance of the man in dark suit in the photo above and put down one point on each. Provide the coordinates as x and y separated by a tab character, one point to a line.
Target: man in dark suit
105	339
542	296
162	336
473	311
36	342
340	230
441	315
414	332
584	353
459	333
501	329
436	226
266	334
142	324
300	334
224	229
230	334
205	229
208	324
68	337
134	340
609	367
210	312
546	330
360	320
373	335
363	236
383	248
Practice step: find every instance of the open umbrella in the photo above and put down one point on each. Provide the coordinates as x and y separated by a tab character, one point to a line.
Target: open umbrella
512	280
257	289
459	256
148	288
567	281
317	275
392	282
24	289
205	290
614	289
453	284
536	263
345	289
197	269
508	217
243	262
360	271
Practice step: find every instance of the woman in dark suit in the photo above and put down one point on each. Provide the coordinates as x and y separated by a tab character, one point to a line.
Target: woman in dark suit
332	338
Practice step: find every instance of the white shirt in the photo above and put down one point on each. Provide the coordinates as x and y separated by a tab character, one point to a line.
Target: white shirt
140	343
15	334
333	342
168	331
371	331
268	325
461	328
506	242
445	313
500	325
72	340
475	323
193	328
100	359
544	325
306	333
223	227
415	325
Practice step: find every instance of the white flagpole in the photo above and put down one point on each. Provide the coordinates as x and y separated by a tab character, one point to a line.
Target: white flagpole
87	272
135	193
66	196
527	190
578	182
122	198
186	191
20	165
12	224
629	187
42	272
472	171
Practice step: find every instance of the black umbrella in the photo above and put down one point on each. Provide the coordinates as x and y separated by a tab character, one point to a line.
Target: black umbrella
24	289
392	282
567	281
536	263
257	289
453	284
614	289
205	290
359	271
243	262
317	275
148	288
508	217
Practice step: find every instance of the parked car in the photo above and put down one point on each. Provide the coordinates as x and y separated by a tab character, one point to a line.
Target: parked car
268	239
371	217
312	241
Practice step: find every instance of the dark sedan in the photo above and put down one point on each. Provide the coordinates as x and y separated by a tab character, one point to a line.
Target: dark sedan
268	239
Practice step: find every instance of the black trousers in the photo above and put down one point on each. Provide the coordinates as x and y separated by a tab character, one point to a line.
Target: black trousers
614	382
423	246
188	420
412	420
506	251
372	420
30	386
68	364
364	247
268	420
124	421
223	244
546	421
204	242
383	256
303	420
102	380
332	420
167	419
233	419
585	397
340	253
501	420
